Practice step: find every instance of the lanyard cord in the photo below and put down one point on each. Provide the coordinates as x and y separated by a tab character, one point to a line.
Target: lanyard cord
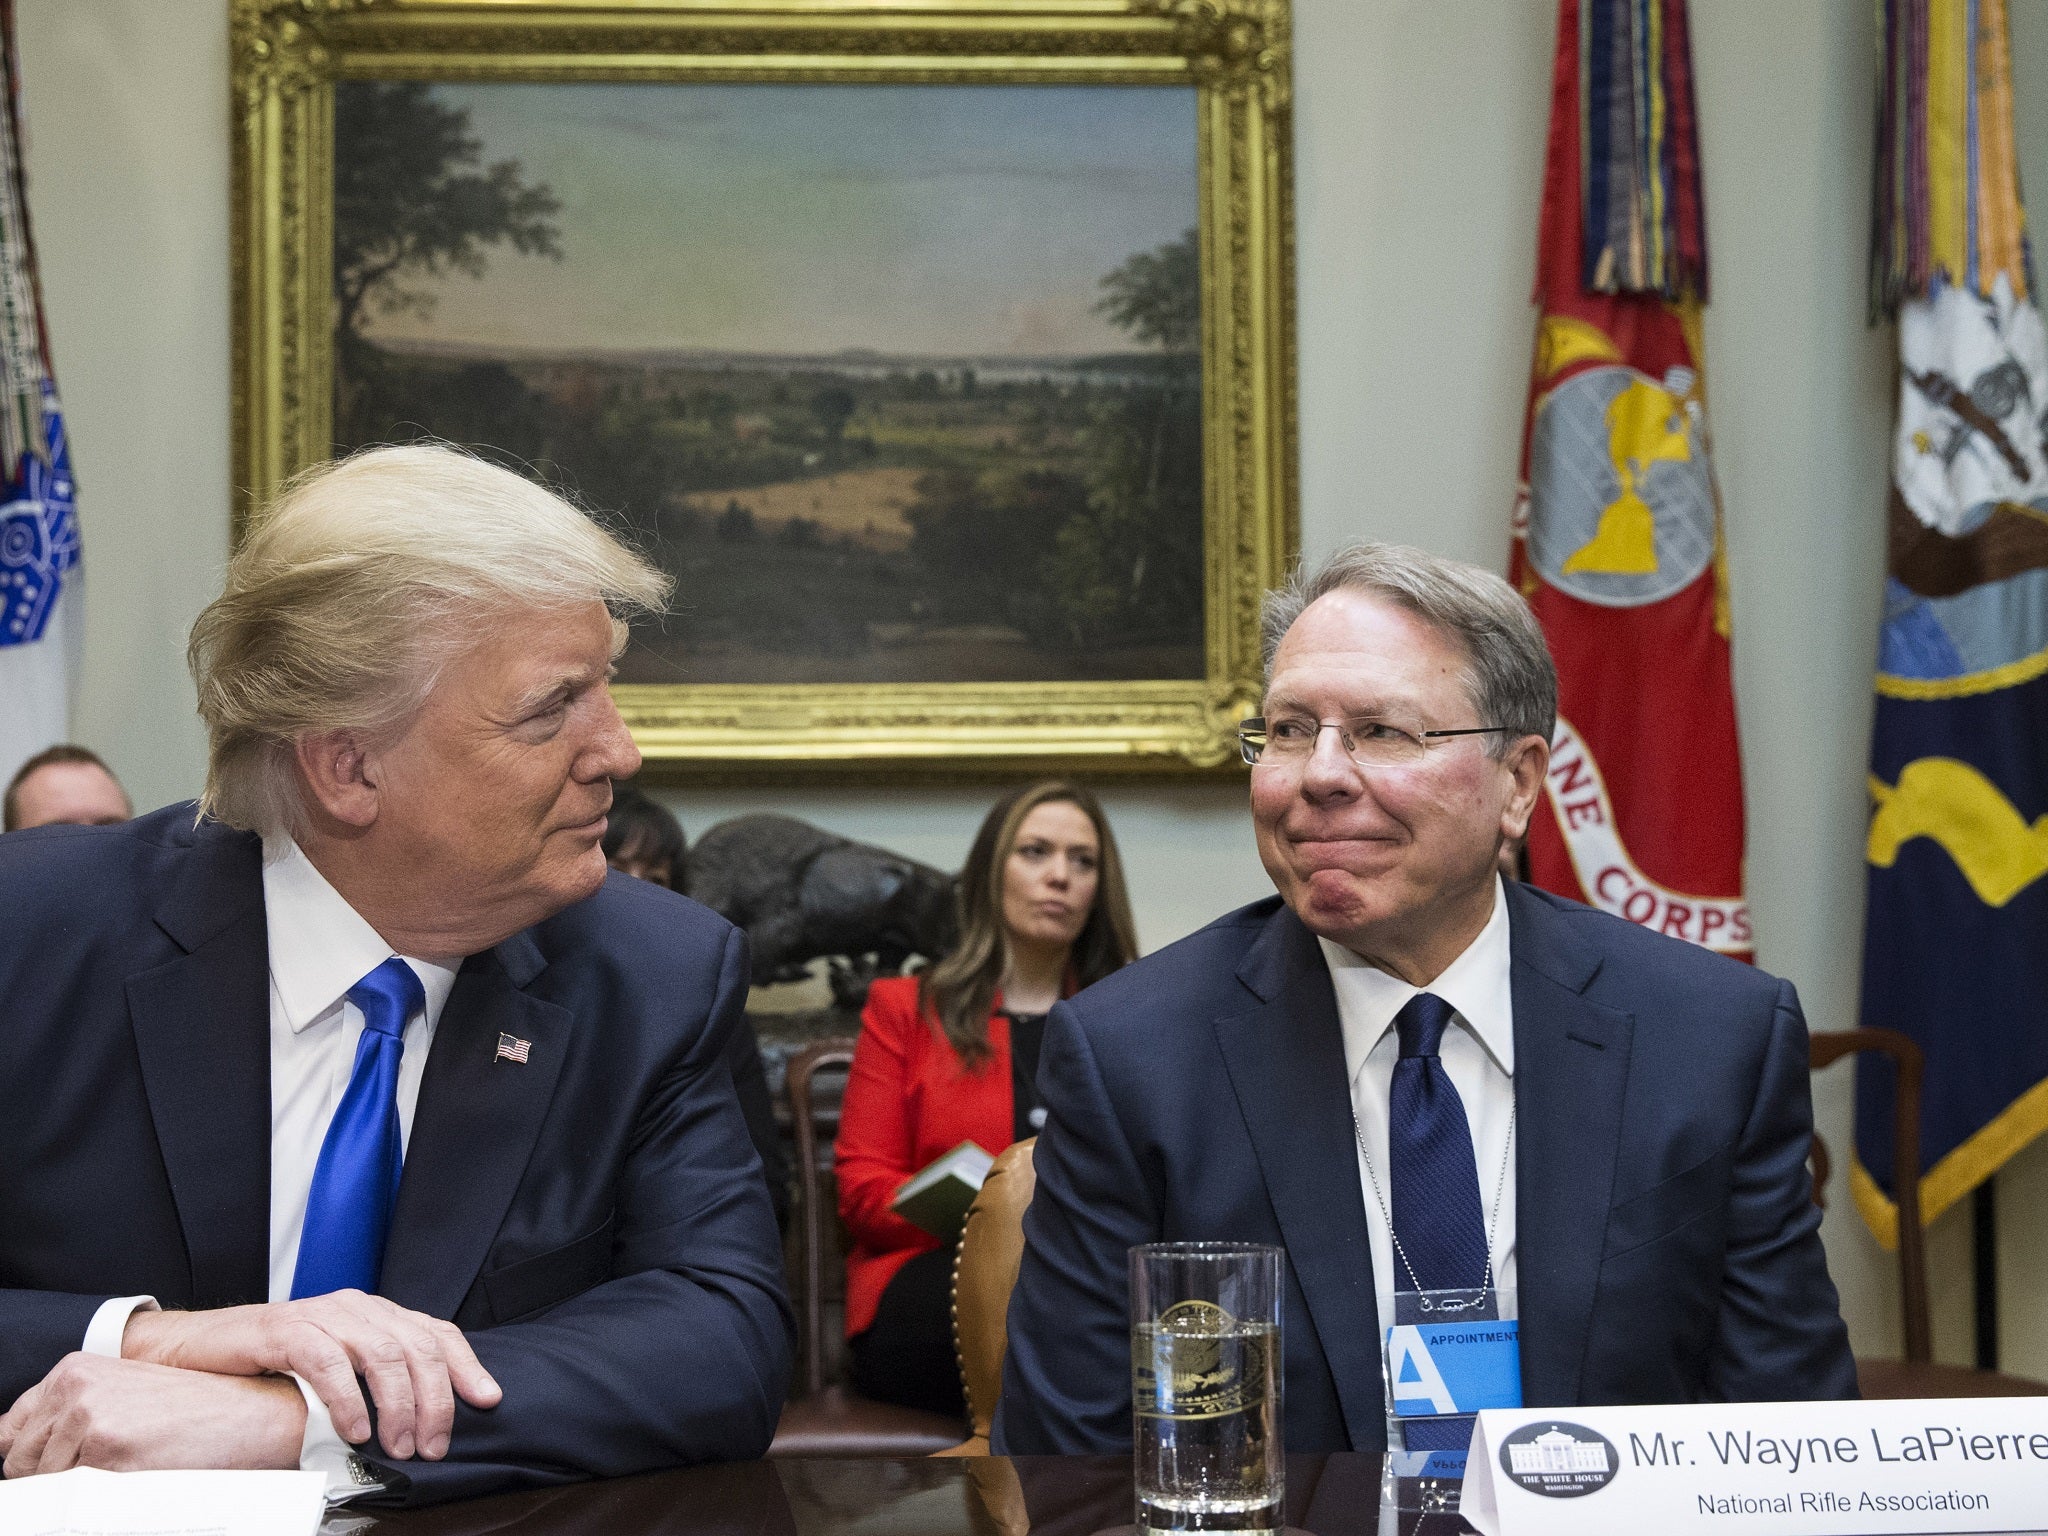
1492	1226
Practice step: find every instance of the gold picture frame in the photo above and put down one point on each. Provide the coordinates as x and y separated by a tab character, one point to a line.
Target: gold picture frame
289	56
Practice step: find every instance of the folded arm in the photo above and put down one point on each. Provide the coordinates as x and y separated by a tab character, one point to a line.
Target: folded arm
130	1415
37	1329
144	1388
683	1356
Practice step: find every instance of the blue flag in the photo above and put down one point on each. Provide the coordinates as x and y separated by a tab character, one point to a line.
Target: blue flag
41	622
1956	939
38	535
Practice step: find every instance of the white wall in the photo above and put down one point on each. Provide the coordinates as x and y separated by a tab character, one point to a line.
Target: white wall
1420	129
127	102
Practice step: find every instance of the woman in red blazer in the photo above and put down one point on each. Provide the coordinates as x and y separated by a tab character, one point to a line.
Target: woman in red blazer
951	1055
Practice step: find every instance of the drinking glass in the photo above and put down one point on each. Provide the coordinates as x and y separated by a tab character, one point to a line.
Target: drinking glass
1205	1386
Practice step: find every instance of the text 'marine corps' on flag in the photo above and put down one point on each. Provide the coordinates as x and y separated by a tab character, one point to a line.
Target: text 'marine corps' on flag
1617	530
41	624
1955	949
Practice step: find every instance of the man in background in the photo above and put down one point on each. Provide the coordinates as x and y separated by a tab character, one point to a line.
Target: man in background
63	784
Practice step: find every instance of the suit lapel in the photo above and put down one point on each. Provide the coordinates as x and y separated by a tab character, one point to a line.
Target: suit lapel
1571	1075
201	1027
1285	1057
474	1128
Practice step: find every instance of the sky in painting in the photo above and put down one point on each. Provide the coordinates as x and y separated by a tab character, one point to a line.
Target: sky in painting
819	218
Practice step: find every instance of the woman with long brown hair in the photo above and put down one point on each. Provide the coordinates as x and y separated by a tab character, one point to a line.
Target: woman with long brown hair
951	1055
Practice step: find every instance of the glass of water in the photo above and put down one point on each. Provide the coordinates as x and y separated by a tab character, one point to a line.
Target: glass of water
1205	1386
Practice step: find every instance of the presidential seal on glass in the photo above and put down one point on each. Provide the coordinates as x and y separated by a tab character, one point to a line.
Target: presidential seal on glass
1205	1386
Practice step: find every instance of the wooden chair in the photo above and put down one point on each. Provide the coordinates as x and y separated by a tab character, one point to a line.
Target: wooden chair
984	1274
1918	1374
828	1418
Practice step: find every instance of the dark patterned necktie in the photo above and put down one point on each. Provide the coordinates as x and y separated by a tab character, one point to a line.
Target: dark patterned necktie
1439	1224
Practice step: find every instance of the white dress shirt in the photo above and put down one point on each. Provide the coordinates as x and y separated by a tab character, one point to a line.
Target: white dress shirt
1478	1052
320	946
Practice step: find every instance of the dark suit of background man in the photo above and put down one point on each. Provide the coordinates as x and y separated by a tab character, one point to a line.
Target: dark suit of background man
1637	1108
390	941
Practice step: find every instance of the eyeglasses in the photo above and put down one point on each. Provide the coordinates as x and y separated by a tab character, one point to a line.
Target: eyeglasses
1370	742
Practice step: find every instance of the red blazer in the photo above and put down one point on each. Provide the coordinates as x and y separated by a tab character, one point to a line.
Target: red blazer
908	1100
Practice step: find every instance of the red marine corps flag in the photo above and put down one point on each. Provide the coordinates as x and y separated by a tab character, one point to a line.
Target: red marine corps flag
1617	530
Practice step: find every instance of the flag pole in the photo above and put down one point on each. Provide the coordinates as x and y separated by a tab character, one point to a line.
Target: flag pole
1984	1241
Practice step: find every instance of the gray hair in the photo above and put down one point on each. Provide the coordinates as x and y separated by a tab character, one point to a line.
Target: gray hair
1508	673
363	580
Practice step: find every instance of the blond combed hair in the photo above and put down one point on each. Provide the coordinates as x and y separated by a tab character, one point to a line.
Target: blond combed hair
364	578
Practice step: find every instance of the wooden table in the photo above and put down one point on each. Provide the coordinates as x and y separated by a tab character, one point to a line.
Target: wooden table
1334	1495
1337	1495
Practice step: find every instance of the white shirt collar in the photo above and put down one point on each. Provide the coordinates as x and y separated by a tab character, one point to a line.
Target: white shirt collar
1476	984
320	946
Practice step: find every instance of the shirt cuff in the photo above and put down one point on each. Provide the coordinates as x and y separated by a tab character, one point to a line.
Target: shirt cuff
324	1451
103	1333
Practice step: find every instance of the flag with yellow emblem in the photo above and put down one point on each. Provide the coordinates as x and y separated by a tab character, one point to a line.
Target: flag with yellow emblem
1617	529
1955	949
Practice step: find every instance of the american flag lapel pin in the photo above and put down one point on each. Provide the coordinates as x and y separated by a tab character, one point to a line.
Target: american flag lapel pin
511	1048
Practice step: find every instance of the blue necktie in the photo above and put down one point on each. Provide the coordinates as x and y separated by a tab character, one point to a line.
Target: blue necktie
355	1183
1439	1225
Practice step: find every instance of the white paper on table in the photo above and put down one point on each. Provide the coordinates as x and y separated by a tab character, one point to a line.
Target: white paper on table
88	1502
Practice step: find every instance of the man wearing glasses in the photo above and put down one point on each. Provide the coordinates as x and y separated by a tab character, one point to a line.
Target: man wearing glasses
1442	1092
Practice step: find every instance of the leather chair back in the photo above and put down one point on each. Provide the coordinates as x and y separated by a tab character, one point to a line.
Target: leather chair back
984	1273
824	1417
817	1207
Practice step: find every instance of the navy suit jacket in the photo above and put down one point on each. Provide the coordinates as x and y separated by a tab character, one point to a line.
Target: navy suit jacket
594	1219
1667	1245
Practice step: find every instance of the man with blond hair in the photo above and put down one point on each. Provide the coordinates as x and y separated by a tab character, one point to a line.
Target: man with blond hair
357	1120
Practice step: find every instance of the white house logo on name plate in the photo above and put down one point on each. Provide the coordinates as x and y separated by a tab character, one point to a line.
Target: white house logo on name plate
1559	1461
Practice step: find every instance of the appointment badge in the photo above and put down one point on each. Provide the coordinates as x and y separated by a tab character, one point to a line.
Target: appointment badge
1763	1469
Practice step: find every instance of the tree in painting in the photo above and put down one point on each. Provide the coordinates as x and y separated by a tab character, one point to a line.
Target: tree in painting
413	202
1145	543
1157	296
1109	547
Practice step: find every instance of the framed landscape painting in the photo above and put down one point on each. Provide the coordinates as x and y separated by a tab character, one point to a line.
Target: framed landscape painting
941	354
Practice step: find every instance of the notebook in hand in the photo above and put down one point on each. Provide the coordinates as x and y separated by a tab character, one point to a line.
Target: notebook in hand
937	1196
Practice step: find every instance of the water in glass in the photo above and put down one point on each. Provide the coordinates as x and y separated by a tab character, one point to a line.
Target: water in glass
1205	1386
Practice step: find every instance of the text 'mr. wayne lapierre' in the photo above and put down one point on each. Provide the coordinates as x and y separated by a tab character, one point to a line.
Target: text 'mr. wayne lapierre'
1933	1443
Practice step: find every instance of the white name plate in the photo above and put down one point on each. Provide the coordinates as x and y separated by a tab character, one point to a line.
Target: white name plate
1764	1469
